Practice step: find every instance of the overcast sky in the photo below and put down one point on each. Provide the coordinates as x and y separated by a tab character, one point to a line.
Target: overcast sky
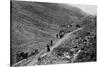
90	9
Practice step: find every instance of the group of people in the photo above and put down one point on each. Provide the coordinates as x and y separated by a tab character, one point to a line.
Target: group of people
59	35
49	45
23	55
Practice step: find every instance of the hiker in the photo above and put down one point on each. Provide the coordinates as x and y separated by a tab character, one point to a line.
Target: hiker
25	55
19	56
22	55
57	35
48	48
51	43
61	34
78	26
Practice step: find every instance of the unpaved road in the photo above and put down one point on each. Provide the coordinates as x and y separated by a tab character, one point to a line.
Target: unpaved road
66	37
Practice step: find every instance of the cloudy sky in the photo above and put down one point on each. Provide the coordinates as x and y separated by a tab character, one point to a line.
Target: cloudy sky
90	9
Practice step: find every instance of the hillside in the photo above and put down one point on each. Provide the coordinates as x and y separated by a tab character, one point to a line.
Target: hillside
34	24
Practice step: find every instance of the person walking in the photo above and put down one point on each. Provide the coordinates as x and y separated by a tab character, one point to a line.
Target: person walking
51	43
48	48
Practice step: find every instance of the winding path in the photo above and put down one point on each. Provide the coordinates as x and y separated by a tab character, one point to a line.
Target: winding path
44	51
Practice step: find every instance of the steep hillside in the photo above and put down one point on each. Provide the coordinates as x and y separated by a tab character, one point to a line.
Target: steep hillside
36	22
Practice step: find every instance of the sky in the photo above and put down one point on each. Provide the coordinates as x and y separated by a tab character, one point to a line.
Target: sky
90	9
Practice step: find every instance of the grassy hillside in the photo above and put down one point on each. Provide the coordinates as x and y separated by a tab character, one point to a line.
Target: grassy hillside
34	23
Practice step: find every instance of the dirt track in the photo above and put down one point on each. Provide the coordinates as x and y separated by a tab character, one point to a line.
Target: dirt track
35	59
